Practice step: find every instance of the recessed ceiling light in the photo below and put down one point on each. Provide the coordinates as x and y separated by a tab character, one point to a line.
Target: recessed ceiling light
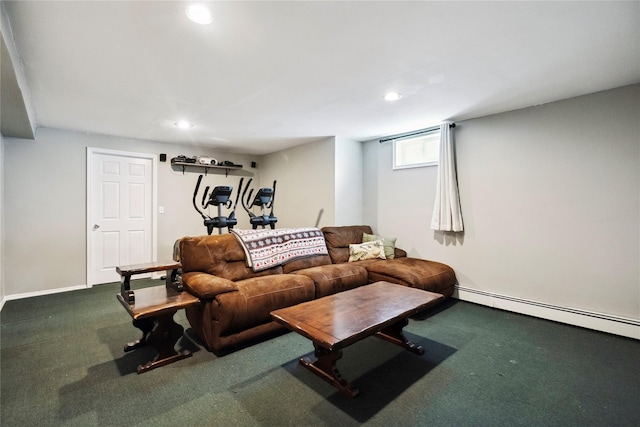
392	96
199	14
183	124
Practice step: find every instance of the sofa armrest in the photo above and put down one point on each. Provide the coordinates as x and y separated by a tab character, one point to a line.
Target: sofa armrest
399	253
207	286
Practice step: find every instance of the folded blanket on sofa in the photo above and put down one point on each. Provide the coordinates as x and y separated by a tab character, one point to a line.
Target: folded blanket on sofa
266	248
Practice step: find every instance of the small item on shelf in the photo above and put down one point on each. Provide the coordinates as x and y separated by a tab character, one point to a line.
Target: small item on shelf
204	160
228	163
179	159
183	159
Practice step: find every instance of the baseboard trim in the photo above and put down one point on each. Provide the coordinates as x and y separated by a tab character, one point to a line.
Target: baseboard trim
587	319
6	298
41	293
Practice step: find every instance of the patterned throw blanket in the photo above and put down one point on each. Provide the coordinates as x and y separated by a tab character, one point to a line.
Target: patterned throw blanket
266	248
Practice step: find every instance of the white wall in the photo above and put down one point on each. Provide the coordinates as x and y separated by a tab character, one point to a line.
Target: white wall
305	183
550	198
45	204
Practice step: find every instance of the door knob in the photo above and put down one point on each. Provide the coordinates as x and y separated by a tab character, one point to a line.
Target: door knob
96	226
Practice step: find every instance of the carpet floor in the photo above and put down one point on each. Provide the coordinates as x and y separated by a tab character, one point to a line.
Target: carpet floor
62	364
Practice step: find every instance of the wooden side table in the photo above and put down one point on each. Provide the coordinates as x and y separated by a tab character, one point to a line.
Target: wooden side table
125	272
152	310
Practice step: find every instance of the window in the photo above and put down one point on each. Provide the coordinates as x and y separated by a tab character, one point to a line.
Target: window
423	150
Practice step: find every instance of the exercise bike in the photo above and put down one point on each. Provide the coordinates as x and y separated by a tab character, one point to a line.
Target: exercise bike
219	197
263	199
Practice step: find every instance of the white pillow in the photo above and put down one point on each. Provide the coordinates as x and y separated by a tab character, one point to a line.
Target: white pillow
366	250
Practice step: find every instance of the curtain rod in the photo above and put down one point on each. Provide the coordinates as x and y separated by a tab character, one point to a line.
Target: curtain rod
418	132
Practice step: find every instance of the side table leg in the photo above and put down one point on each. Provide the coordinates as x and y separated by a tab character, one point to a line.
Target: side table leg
394	335
163	337
146	326
325	368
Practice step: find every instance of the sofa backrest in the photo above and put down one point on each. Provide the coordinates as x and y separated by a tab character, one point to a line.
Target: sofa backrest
307	262
220	255
338	240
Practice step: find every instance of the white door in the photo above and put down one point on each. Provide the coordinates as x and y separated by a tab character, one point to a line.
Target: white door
120	212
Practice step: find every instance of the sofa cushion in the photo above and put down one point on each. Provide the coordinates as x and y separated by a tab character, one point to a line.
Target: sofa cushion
417	273
300	264
338	240
256	297
388	242
333	278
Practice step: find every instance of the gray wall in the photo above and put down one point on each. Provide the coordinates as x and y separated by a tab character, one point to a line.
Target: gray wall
550	198
319	183
348	182
45	204
305	188
2	270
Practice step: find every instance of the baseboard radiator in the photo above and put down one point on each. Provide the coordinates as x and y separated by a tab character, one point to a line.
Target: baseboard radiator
587	319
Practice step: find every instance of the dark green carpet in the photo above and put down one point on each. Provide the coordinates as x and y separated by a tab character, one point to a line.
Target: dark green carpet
63	364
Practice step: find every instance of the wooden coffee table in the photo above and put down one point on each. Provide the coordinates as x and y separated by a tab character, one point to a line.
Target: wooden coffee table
339	320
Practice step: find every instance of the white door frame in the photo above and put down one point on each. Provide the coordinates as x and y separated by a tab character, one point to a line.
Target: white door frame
91	151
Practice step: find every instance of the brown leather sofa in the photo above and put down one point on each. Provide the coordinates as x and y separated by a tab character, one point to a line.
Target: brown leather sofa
236	301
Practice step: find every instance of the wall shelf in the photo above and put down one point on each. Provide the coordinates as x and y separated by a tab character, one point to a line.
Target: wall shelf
206	168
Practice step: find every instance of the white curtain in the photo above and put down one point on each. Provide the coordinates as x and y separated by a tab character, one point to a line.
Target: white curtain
447	215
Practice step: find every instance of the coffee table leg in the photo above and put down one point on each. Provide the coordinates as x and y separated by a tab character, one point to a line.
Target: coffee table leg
394	334
325	368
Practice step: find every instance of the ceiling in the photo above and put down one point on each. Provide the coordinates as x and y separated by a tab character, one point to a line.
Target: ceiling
269	75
